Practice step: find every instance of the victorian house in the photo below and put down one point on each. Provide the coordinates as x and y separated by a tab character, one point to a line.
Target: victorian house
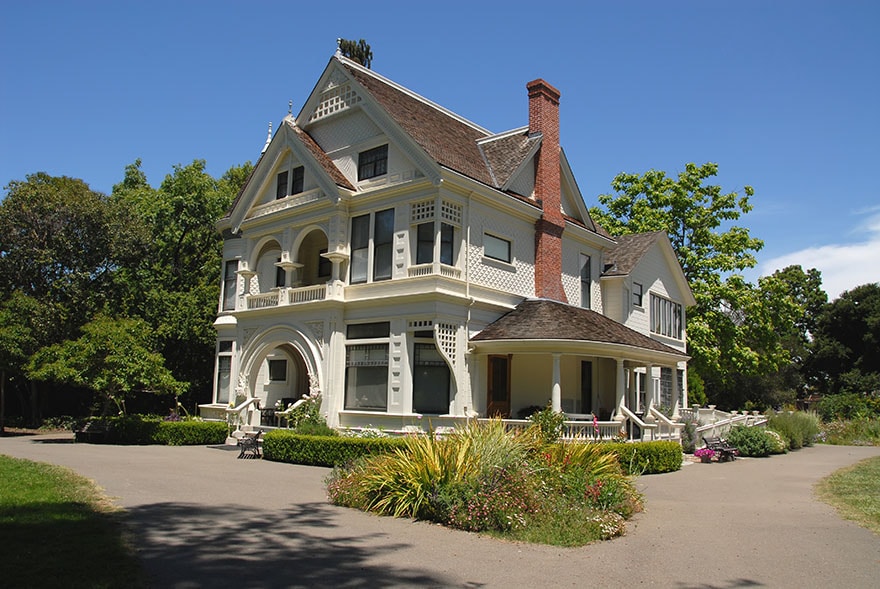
414	267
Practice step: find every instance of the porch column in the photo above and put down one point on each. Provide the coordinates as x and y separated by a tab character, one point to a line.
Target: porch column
649	390
676	405
556	391
620	402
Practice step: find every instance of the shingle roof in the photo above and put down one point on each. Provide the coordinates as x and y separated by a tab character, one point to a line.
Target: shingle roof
623	257
543	319
447	140
505	153
322	158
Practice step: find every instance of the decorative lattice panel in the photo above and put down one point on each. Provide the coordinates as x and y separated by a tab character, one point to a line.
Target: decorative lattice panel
446	335
451	212
420	324
421	211
334	100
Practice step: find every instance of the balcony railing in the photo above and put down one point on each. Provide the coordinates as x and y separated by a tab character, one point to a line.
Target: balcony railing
431	270
287	296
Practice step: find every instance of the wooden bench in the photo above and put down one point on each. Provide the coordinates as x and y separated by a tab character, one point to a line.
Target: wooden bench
724	450
249	444
90	433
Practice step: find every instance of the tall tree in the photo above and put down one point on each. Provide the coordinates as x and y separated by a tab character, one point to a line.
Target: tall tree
358	51
699	219
846	344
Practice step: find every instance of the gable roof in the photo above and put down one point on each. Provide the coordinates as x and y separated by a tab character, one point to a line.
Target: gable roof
547	320
621	259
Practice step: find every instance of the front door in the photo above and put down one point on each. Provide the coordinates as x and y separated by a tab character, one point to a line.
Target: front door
498	390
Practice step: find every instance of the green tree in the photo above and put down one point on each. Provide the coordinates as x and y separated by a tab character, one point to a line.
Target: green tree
358	51
175	286
116	358
846	344
729	332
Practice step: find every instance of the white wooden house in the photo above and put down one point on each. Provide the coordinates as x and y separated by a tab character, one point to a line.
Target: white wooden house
417	268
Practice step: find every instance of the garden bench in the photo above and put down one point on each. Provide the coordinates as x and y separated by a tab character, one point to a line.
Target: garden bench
249	444
724	450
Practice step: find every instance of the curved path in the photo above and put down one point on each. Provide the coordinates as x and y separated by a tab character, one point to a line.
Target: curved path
202	518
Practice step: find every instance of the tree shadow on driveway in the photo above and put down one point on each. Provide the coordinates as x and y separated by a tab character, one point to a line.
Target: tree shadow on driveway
189	545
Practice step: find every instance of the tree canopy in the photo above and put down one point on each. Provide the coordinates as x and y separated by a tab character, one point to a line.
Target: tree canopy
70	255
358	51
737	329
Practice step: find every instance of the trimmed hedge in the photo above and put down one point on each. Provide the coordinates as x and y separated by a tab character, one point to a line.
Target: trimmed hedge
750	441
287	446
134	430
639	458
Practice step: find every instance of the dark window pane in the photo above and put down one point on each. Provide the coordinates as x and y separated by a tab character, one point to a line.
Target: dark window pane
383	237
430	381
447	232
277	369
425	243
373	162
297	182
281	187
368	330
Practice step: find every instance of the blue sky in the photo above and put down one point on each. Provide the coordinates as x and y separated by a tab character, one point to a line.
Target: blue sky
784	96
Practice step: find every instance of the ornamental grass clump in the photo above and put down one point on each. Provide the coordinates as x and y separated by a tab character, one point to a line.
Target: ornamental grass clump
483	478
799	428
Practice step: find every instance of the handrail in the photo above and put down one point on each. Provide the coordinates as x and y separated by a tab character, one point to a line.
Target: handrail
666	424
238	410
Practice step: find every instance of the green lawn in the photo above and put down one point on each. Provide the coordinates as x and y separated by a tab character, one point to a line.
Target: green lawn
855	493
57	530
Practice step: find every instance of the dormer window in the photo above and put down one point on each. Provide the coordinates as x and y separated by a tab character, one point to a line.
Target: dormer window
281	185
373	162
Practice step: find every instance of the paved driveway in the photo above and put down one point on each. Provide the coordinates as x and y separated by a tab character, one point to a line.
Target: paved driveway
202	518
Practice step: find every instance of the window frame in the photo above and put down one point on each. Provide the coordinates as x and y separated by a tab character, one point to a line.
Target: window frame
667	317
297	180
273	368
367	337
368	251
586	280
373	162
223	365
498	240
419	344
638	293
230	279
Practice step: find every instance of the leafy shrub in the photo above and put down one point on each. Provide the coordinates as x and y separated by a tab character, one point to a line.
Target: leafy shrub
797	427
646	457
778	445
549	423
190	433
750	441
527	412
848	406
311	428
147	430
289	446
689	435
854	432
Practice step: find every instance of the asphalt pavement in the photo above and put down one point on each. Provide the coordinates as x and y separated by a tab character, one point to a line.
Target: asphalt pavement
201	518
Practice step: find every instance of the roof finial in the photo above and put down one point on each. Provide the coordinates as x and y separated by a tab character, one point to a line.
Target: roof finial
339	47
268	139
289	107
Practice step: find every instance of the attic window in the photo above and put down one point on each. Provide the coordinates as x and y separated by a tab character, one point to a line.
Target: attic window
373	162
281	185
299	174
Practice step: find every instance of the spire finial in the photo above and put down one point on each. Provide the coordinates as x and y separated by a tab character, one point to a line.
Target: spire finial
339	47
268	138
289	107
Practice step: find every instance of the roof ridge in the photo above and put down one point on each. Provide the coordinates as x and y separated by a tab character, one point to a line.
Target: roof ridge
414	95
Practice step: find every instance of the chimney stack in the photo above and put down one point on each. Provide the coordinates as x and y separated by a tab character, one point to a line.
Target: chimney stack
544	119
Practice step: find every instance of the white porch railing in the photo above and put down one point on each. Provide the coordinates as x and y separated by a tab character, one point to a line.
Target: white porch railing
714	422
646	430
263	300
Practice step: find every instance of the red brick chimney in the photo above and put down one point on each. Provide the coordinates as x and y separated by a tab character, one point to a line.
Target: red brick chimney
544	119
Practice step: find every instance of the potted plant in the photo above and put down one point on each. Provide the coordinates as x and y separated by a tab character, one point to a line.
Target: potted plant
704	454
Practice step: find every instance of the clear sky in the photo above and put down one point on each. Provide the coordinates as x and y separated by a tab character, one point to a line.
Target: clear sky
783	95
